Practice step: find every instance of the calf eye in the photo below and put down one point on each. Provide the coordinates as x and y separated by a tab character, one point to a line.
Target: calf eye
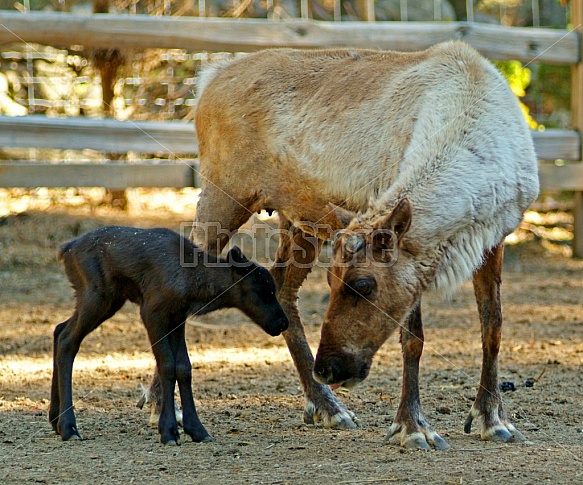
364	286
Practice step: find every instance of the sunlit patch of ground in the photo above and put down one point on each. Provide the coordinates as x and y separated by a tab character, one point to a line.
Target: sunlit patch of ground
246	388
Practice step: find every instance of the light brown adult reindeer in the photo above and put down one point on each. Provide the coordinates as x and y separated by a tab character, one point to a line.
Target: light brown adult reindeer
433	142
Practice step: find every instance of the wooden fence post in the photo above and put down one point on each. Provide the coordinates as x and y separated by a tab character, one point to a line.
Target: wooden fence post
577	121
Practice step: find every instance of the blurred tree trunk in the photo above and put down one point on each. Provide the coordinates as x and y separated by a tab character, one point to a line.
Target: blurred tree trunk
107	61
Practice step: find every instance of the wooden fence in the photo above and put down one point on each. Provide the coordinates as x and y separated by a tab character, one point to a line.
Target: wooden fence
178	138
107	31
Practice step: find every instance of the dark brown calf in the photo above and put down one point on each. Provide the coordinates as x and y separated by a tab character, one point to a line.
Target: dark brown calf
169	278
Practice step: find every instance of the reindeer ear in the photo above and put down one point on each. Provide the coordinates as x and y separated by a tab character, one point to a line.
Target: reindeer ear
399	220
343	216
389	231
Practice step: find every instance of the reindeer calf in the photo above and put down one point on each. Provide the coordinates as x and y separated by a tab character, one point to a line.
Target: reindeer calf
110	265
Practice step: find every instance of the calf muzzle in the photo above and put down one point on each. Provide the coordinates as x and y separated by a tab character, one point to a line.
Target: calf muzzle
276	328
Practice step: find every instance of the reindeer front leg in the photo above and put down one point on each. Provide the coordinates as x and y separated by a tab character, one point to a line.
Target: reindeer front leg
410	426
289	273
487	409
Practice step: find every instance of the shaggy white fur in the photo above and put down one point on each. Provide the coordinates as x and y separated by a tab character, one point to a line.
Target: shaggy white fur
470	169
367	128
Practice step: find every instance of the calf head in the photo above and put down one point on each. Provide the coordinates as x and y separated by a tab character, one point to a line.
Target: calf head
255	294
374	287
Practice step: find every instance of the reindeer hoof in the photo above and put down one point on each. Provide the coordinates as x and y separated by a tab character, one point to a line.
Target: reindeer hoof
439	443
500	431
342	418
503	433
500	435
425	439
415	441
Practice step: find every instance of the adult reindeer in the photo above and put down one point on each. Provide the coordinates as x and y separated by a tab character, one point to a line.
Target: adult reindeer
431	146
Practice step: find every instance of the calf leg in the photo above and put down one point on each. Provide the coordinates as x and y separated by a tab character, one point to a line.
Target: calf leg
321	404
192	425
92	310
165	349
54	407
218	215
413	429
487	408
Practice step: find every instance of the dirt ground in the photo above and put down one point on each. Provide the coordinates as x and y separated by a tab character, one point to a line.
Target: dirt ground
247	391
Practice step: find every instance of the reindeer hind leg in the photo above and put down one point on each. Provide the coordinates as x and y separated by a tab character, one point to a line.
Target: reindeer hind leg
487	409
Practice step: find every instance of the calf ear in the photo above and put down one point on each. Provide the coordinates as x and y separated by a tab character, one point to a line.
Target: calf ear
236	256
399	220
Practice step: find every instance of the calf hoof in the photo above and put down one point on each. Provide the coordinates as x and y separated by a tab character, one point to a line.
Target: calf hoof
200	437
197	432
170	442
169	434
495	429
70	434
329	412
74	437
171	438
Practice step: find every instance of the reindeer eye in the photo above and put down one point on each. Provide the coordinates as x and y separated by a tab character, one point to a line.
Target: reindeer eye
364	286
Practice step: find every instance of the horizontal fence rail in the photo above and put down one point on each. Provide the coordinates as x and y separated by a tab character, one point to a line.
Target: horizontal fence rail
107	175
109	135
174	137
185	174
109	31
106	134
561	177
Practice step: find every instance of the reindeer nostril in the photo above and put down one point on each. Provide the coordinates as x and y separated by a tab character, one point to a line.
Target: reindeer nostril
321	373
335	365
328	372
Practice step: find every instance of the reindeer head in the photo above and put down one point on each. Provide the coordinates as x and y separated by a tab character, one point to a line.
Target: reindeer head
373	289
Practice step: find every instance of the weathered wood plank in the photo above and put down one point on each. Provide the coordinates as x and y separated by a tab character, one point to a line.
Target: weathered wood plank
553	144
107	135
528	45
118	175
110	175
243	35
563	177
